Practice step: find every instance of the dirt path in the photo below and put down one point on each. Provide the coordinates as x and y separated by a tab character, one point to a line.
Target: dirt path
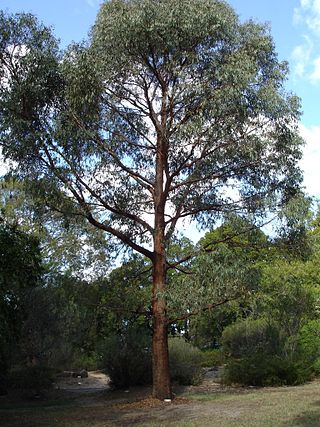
95	382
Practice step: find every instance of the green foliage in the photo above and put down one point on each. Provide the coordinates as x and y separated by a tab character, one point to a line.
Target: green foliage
266	370
309	344
289	293
217	278
256	354
168	107
126	356
67	332
316	367
95	109
241	235
185	362
124	298
212	358
43	316
248	336
205	330
84	360
20	272
231	273
20	260
128	288
68	244
278	343
294	229
29	48
49	328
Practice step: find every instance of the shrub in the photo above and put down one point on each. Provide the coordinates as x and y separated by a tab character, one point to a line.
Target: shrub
212	357
255	352
309	341
309	346
251	336
31	377
316	366
185	362
264	370
126	357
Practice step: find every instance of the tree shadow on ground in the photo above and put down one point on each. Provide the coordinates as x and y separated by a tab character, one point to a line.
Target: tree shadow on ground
310	418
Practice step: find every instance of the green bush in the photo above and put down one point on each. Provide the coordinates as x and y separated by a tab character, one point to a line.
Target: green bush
87	361
309	341
316	367
185	362
309	345
126	357
212	357
256	355
32	377
263	370
251	336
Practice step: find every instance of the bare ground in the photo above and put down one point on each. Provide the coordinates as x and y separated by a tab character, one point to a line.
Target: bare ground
91	402
96	381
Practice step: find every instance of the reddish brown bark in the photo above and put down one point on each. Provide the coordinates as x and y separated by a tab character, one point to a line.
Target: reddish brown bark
160	367
160	354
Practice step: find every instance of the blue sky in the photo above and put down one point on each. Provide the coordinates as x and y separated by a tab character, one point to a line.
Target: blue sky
295	26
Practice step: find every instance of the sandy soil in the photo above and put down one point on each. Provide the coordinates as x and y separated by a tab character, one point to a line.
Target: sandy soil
96	381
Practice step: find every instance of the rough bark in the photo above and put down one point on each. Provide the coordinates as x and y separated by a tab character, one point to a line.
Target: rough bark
160	362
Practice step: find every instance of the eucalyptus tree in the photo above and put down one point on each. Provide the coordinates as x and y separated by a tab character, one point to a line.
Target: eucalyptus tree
172	111
68	245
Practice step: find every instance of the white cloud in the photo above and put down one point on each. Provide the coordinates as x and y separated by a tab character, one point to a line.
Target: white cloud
315	76
315	5
311	159
305	3
301	56
297	16
306	56
308	13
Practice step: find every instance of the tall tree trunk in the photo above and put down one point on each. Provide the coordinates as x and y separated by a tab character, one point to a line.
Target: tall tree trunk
160	354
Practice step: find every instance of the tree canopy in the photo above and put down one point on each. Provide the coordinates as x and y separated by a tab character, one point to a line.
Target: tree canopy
172	110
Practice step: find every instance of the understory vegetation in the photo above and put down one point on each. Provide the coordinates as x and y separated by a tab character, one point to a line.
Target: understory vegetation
52	321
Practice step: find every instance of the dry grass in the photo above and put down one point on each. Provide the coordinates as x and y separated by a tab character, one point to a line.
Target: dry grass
205	406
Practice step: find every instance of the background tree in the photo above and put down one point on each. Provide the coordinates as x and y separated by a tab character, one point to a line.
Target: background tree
171	111
20	272
237	245
277	341
67	245
297	220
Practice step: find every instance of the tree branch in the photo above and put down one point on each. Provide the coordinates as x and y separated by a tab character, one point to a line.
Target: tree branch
120	235
201	310
206	248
